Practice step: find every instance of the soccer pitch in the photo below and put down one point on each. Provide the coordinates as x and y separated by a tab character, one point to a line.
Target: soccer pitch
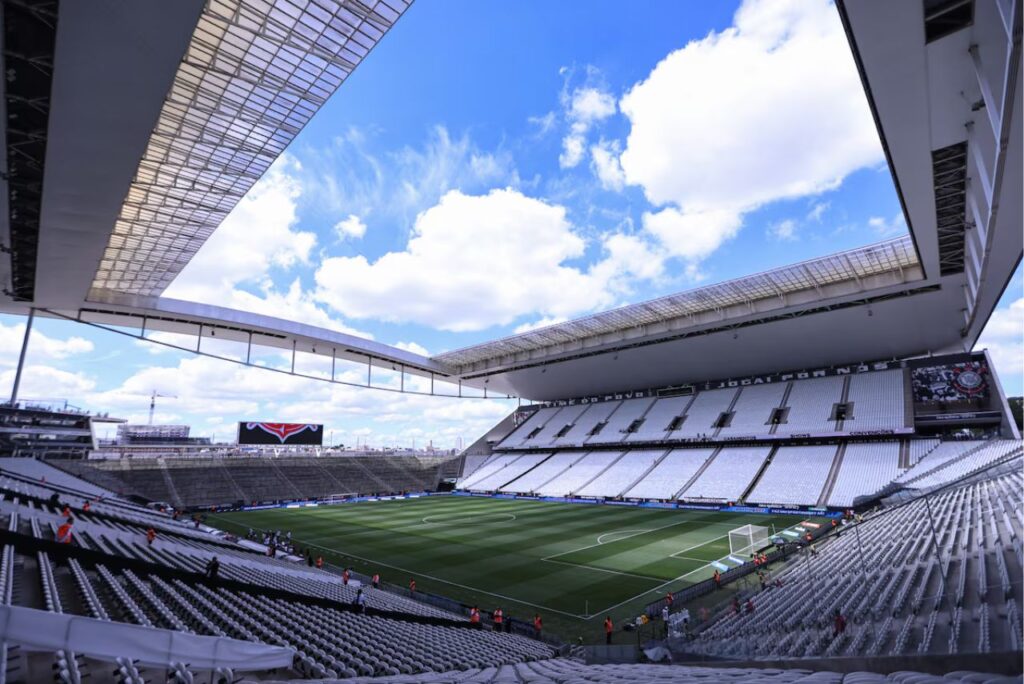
573	563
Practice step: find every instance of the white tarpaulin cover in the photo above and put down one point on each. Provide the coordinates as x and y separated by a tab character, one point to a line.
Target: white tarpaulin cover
40	630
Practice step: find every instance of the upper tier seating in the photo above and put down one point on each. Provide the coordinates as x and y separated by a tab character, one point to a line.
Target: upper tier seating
753	410
565	417
703	412
878	401
940	454
898	592
658	418
796	475
623	473
810	405
576	476
729	474
670	475
865	469
585	423
536	420
919	448
626	412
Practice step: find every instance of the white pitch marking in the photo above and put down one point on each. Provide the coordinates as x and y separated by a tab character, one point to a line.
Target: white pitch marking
467	519
600	569
697	546
600	537
590	546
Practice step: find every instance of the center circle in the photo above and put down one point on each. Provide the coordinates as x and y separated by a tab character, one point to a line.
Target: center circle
482	519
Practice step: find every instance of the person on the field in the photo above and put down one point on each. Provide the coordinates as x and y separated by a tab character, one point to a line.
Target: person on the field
66	512
150	536
376	580
86	506
665	613
360	600
717	579
669	598
319	562
474	617
538	625
608	628
499	618
345	574
64	531
412	585
213	568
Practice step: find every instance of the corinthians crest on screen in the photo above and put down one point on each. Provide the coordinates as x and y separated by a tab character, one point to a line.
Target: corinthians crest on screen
280	433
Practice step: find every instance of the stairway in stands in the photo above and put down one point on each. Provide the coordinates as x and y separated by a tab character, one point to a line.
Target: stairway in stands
833	475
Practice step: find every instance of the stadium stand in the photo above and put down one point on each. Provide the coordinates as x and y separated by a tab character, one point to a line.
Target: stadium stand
488	470
670	475
728	474
569	671
110	573
624	415
658	418
810	405
795	475
702	413
533	423
512	470
903	586
580	473
560	424
544	472
619	476
187	482
938	456
877	401
753	410
864	470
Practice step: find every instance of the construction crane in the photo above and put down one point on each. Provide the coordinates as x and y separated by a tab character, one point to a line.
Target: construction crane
152	402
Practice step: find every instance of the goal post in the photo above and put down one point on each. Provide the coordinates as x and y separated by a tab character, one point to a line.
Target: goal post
744	540
340	497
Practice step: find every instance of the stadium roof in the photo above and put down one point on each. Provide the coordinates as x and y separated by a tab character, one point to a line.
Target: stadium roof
208	94
850	269
252	76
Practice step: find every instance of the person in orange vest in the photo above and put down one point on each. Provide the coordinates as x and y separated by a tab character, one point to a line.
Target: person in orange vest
538	625
67	511
499	619
344	576
412	585
64	531
608	628
474	617
718	579
150	536
86	507
319	562
669	598
375	581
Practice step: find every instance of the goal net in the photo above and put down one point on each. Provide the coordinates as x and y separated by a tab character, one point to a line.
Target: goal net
745	540
338	498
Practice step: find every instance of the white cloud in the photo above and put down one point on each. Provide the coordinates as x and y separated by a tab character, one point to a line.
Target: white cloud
583	108
768	109
1004	338
886	228
350	227
537	324
39	346
544	124
47	382
605	160
414	348
477	261
818	210
692	235
784	231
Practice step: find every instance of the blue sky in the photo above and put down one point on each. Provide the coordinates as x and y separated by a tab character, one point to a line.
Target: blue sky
492	167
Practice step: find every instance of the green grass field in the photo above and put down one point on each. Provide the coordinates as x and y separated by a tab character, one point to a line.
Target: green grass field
572	563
